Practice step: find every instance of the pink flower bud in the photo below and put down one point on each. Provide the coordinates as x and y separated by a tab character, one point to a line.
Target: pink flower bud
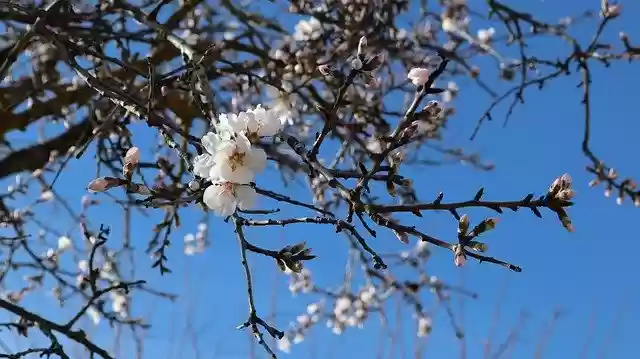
131	160
460	260
460	257
102	184
132	156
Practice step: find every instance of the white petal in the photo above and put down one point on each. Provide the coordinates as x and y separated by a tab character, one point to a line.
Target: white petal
256	160
210	142
242	174
234	122
219	200
202	165
246	197
242	143
252	124
271	124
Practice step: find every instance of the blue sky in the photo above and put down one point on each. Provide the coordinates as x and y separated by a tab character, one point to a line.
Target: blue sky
588	274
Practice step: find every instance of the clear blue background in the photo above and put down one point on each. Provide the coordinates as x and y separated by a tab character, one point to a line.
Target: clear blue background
589	275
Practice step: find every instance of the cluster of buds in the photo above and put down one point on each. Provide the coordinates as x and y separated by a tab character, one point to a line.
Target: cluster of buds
609	11
131	160
465	238
560	190
609	178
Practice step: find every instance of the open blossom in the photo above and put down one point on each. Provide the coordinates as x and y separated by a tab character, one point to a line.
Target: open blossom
258	122
486	35
449	25
419	76
306	30
64	243
283	103
203	164
235	160
223	197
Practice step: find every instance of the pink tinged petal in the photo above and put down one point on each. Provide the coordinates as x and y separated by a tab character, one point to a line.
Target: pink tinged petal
132	156
419	76
246	197
219	199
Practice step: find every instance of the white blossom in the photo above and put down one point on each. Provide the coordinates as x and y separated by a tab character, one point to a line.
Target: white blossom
313	308
424	326
64	243
46	196
83	265
119	304
203	164
486	35
306	30
284	344
258	122
223	197
94	315
449	25
283	103
236	161
419	76
298	338
367	295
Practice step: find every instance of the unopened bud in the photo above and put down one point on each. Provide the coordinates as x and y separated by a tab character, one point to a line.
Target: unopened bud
460	257
463	224
565	194
325	70
131	160
102	184
478	246
194	185
361	45
356	64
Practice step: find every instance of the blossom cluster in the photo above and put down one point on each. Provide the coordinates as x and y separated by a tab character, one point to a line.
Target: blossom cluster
232	160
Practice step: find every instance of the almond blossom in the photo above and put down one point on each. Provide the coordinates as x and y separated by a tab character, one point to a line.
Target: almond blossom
223	197
419	76
237	161
306	30
258	122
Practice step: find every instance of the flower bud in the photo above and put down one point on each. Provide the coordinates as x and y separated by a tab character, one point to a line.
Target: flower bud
131	160
463	224
460	257
356	64
325	69
361	45
102	184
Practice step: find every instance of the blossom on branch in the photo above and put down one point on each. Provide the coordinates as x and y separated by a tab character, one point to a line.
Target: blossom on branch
223	197
237	161
419	76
